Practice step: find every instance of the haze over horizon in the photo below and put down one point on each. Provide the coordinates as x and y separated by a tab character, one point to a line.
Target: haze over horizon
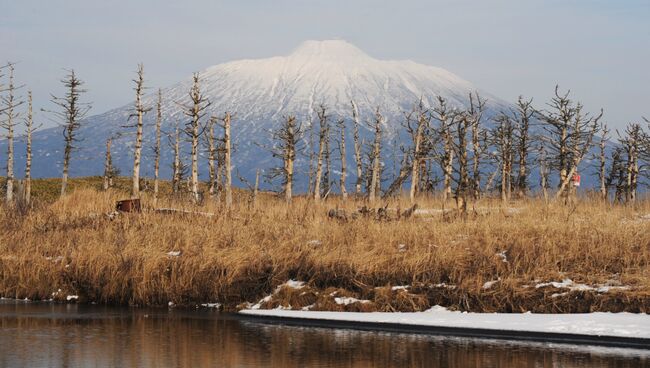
598	49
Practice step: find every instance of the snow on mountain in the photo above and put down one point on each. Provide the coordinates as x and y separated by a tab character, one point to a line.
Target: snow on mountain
259	93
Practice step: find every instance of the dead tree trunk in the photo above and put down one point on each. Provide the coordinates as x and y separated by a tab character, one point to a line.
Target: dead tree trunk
139	113
73	111
327	173
478	147
176	167
502	137
108	165
312	155
156	164
463	186
602	174
29	130
344	192
524	114
11	117
376	159
256	187
631	144
193	129
543	171
227	160
446	159
212	151
322	117
289	136
357	148
416	135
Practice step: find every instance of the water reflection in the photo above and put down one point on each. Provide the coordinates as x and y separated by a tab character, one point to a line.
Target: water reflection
33	335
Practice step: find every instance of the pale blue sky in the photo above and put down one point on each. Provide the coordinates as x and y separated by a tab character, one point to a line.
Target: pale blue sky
599	49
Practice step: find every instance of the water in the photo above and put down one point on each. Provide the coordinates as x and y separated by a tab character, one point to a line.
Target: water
55	335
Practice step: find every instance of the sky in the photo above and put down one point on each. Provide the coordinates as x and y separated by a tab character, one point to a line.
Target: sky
600	50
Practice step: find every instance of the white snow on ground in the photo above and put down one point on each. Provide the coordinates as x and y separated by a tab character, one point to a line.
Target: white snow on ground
211	305
347	300
489	284
290	283
293	284
569	284
599	324
72	297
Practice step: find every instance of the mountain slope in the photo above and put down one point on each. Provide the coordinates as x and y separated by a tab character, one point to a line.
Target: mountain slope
259	93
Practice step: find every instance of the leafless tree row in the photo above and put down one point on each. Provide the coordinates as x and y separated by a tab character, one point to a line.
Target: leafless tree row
463	152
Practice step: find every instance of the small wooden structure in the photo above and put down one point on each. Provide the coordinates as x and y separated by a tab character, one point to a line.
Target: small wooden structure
129	205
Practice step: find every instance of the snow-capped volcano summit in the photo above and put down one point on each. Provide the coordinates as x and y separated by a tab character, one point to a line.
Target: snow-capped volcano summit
331	72
337	51
259	93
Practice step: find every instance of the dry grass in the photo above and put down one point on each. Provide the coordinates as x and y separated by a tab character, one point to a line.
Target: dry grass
244	254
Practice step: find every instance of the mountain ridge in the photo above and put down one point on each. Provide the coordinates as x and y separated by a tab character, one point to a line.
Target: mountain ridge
260	92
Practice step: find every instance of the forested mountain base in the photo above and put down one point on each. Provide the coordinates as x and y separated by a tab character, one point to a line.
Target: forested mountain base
512	256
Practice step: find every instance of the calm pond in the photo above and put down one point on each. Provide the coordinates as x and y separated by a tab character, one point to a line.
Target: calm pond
55	335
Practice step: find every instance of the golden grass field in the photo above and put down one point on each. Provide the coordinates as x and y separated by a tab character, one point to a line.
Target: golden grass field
71	246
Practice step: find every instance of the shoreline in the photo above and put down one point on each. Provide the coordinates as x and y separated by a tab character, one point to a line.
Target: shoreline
380	322
390	322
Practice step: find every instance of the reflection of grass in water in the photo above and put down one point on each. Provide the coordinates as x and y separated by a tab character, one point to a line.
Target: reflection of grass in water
243	255
178	338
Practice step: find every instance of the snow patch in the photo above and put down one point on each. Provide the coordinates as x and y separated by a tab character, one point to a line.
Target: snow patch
211	305
572	286
348	300
599	324
489	284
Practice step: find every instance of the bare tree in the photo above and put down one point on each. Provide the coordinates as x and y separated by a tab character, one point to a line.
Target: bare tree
479	137
502	136
327	173
212	156
523	114
288	137
72	113
10	103
227	159
619	174
108	165
602	174
322	136
463	184
29	130
569	137
312	155
543	171
220	169
140	110
156	150
401	177
357	148
416	131
341	125
446	158
375	179
256	188
194	129
177	166
631	143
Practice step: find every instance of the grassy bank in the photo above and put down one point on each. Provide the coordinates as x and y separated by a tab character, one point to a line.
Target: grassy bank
527	256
